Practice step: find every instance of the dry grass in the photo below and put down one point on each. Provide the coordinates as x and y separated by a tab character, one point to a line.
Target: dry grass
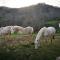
12	40
22	49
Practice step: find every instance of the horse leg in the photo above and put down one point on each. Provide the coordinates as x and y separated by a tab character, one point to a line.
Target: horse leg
53	37
51	41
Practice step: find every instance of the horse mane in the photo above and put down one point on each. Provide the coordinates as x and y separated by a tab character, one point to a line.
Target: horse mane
42	30
40	33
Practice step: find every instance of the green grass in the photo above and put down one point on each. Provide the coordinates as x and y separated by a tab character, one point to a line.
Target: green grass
52	22
27	52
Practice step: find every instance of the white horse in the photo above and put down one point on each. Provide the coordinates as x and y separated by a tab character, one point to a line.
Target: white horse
28	30
44	33
17	29
11	29
5	30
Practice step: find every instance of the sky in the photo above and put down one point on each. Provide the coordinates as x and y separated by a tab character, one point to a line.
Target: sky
24	3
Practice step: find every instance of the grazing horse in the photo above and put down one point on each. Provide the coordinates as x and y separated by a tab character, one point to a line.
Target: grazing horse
45	32
5	30
17	29
28	30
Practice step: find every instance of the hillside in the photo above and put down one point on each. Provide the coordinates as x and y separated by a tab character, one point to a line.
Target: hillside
35	15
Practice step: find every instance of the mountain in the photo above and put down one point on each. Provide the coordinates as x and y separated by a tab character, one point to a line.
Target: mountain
35	15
